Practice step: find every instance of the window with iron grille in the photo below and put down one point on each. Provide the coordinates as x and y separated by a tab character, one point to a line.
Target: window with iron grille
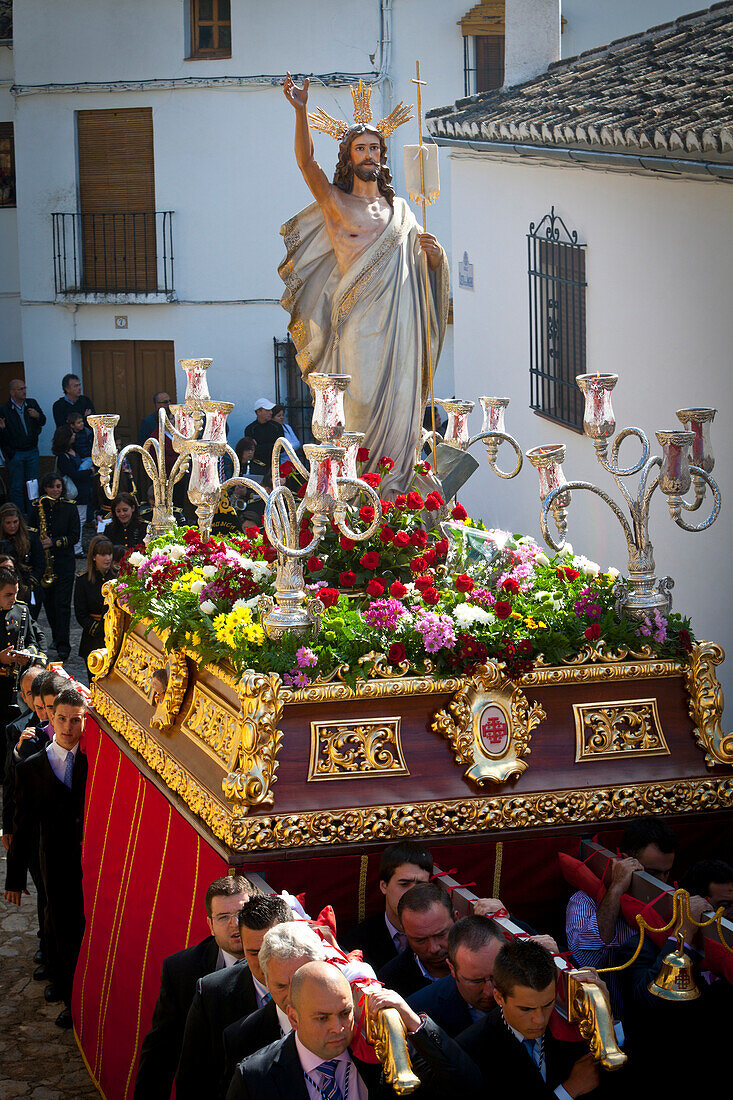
291	391
7	165
557	282
211	28
483	62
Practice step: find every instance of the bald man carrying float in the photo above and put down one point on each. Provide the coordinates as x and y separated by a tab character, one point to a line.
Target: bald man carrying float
314	1061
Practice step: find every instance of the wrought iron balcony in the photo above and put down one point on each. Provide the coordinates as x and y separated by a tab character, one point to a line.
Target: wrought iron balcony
114	253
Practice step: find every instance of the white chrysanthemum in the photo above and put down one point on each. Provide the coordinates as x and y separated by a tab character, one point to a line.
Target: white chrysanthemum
198	586
612	572
175	551
585	565
567	551
542	559
208	607
466	614
209	570
136	559
258	569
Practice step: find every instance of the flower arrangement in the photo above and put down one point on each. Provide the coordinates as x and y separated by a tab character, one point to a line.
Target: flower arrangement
429	598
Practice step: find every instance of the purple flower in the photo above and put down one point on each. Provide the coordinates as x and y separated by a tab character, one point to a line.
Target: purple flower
482	596
437	631
384	614
306	658
296	679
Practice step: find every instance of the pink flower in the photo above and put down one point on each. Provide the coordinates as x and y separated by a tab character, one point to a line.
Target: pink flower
306	658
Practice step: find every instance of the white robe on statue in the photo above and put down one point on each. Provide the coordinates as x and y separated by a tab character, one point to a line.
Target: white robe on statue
369	323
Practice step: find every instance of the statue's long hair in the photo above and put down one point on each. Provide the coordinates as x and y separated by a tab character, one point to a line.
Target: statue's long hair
343	177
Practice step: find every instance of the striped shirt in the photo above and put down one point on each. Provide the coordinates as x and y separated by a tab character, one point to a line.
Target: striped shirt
584	940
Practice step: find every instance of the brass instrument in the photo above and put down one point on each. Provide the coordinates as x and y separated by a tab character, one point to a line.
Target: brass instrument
49	577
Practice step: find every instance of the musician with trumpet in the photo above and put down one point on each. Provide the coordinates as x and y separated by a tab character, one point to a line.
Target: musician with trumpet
57	522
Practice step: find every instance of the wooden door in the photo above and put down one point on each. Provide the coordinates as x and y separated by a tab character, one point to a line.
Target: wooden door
9	371
121	376
117	197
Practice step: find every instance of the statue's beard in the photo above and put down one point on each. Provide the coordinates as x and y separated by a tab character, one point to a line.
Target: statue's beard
367	172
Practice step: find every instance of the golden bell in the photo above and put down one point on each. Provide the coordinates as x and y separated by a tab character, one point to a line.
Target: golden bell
675	982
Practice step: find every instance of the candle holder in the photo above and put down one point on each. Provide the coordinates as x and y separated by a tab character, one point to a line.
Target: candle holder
643	592
699	421
492	434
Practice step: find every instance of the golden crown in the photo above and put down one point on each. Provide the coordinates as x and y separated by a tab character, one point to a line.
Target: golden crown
361	95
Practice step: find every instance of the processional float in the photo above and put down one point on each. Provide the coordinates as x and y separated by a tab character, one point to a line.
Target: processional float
264	766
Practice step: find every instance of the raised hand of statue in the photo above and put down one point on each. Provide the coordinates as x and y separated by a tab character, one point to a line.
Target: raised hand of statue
296	94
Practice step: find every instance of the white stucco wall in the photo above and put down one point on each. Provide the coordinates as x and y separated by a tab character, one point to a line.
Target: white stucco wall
591	23
11	350
659	269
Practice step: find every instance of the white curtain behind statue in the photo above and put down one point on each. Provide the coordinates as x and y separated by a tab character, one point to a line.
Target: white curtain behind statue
369	323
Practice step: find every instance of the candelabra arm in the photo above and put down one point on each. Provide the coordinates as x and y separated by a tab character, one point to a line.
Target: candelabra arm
282	444
647	491
677	503
171	480
112	490
281	518
699	485
570	486
498	438
340	513
248	484
236	465
612	467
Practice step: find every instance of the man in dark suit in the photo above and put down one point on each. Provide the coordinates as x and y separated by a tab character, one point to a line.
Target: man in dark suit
285	948
426	914
513	1046
381	937
73	401
21	421
161	1047
467	994
50	792
314	1060
223	998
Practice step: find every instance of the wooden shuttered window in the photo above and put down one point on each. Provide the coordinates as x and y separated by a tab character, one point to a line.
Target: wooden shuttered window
117	196
7	165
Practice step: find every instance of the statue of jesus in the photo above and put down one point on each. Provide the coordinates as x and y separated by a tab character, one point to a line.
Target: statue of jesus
355	287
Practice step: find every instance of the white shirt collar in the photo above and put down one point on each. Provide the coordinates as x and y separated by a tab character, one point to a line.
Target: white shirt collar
310	1061
54	750
285	1026
226	960
261	990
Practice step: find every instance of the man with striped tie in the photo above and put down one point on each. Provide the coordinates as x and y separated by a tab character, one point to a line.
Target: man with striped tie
314	1061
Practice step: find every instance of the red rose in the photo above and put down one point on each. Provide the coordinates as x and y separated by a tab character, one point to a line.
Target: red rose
386	464
593	632
372	479
566	572
430	556
415	502
459	512
397	590
423	583
314	564
396	653
441	547
362	455
463	582
387	506
252	532
366	513
301	491
401	540
328	596
431	596
434	501
346	544
286	469
370	560
347	579
418	565
386	535
375	587
269	553
400	500
305	538
191	536
502	609
418	538
510	585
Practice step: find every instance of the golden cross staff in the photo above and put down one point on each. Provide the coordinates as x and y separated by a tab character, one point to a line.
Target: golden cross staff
424	200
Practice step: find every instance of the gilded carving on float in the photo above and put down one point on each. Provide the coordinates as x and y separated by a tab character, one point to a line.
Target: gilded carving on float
169	706
386	1031
136	663
363	749
590	1010
706	703
488	725
317	828
100	661
630	727
212	723
198	799
253	761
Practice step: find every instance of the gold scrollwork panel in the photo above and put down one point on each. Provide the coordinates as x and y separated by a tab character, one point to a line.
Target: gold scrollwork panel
253	760
212	723
136	663
169	706
100	661
360	749
488	725
630	727
590	1009
706	703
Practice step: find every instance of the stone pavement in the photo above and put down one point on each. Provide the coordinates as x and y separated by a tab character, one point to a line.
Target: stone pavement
37	1059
